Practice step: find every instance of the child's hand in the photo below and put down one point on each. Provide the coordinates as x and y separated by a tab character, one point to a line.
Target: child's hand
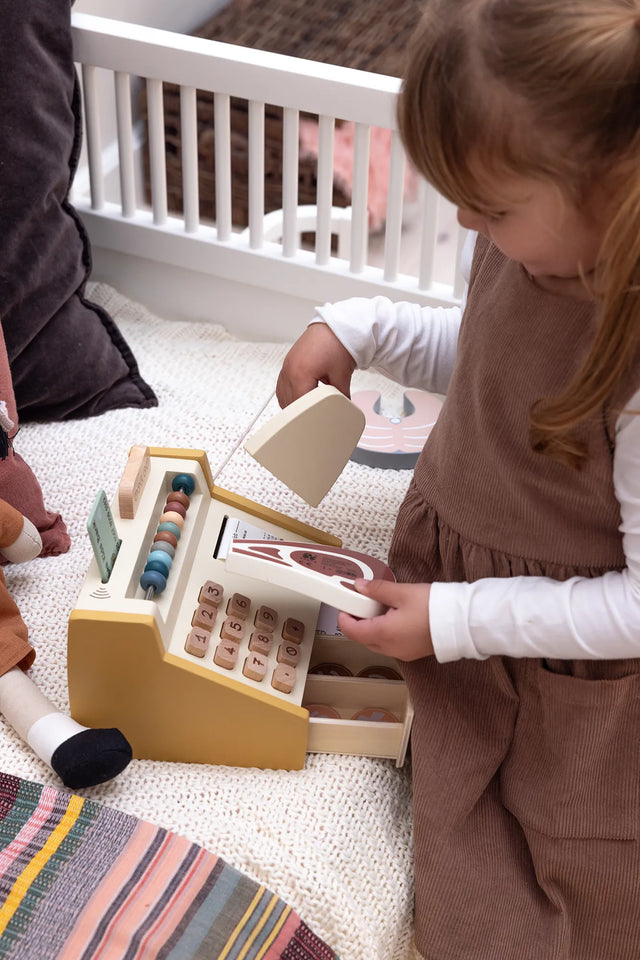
403	630
316	356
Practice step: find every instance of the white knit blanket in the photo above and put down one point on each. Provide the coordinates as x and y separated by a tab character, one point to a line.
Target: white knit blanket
334	839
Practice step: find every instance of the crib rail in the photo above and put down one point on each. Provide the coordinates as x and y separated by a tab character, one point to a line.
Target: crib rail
130	236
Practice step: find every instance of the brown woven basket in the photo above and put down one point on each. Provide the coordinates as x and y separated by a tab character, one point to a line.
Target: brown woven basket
364	34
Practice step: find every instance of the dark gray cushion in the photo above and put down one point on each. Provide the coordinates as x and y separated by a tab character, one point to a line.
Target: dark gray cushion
67	356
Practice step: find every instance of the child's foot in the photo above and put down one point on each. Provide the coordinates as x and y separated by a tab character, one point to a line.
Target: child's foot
91	757
80	756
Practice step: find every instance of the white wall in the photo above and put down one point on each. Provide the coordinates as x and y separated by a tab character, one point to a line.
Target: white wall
164	14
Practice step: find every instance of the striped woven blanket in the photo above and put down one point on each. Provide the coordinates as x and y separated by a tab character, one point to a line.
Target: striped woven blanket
79	881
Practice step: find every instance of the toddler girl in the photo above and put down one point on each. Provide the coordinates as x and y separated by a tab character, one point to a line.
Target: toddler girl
517	547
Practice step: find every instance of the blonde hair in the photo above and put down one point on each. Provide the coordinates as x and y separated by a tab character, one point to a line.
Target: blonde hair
548	89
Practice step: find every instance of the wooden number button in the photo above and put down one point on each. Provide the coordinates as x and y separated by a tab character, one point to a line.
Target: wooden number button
261	642
226	654
266	619
284	678
197	642
210	592
293	630
239	606
204	617
255	667
289	653
232	629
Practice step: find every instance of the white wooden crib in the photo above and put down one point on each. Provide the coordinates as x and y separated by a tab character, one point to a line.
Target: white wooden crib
260	283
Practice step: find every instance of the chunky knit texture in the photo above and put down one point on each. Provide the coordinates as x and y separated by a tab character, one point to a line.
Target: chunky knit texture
333	840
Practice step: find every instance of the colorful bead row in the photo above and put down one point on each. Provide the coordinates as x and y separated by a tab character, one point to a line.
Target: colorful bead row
163	549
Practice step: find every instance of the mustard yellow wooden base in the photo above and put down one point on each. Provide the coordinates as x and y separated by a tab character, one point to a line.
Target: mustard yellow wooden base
169	709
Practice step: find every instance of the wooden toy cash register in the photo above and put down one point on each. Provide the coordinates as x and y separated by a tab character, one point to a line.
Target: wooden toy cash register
195	659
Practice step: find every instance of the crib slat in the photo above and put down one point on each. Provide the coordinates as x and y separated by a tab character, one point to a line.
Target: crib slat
359	191
222	160
189	136
428	236
93	137
296	89
324	189
393	229
290	134
157	160
256	174
125	143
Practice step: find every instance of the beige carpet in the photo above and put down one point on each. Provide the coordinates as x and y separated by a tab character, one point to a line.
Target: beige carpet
334	840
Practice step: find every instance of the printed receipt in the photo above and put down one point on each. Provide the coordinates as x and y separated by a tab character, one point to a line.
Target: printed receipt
235	529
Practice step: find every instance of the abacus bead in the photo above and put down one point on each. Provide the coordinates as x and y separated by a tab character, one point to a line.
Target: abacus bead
165	547
178	496
167	537
152	578
157	566
184	482
169	528
161	558
170	517
172	506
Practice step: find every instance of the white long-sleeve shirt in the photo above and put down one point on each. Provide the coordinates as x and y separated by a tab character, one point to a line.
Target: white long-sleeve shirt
580	618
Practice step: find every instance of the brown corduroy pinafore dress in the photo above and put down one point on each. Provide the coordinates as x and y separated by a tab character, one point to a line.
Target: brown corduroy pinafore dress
526	772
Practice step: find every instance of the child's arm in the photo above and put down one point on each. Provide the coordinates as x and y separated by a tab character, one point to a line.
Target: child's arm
317	356
581	618
415	346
